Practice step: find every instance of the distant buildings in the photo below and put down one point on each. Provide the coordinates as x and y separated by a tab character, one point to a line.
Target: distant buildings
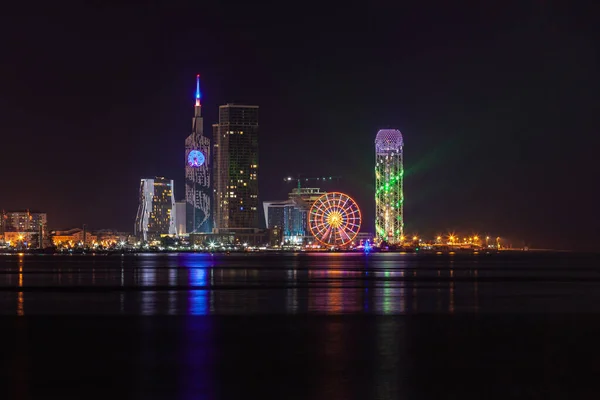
156	211
235	170
198	190
27	229
389	196
78	237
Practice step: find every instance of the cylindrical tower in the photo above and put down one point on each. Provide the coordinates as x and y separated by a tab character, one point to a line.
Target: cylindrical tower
389	197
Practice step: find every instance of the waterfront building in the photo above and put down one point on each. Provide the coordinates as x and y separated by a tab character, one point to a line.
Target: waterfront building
275	236
109	237
250	237
156	211
291	215
236	169
73	237
389	195
25	228
276	213
198	188
363	237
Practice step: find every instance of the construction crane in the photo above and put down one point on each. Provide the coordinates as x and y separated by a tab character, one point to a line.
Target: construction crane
319	178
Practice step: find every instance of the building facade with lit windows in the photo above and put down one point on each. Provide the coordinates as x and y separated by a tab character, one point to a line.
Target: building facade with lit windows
389	194
235	169
292	215
25	228
198	187
156	212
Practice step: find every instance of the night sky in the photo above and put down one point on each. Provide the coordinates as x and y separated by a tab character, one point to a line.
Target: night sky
497	102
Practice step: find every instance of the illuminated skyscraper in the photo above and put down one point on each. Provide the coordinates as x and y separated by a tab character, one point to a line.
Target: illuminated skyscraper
156	211
389	196
198	191
236	168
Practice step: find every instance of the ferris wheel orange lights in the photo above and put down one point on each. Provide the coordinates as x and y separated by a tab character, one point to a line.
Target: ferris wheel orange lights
334	219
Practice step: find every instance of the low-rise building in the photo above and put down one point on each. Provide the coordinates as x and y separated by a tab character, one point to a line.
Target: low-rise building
109	237
241	236
73	237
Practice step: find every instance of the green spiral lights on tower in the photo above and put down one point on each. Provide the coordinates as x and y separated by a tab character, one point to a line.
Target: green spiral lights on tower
389	197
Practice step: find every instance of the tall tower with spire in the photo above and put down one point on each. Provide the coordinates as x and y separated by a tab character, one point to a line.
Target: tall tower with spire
198	188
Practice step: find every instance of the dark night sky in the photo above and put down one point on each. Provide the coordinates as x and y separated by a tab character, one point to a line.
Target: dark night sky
497	101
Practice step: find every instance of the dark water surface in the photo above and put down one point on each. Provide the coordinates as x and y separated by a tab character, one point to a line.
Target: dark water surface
331	326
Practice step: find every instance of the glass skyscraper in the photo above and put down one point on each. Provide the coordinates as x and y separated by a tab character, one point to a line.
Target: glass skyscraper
236	168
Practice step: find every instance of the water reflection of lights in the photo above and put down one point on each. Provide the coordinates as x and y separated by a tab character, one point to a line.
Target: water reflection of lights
475	292
172	306
292	294
391	298
336	297
199	273
198	298
20	299
451	300
148	296
414	295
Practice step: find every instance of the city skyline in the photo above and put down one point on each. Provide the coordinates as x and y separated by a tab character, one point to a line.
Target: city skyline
495	103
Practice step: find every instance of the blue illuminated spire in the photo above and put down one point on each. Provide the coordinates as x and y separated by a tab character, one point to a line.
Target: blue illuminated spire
198	94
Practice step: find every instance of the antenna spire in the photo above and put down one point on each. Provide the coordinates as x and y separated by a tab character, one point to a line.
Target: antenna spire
198	95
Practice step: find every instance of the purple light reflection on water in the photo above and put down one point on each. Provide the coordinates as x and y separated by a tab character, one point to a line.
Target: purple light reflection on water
198	299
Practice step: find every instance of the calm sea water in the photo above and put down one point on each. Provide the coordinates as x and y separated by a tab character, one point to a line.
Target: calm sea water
331	326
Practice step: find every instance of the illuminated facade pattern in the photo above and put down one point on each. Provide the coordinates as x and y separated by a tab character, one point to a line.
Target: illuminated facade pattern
334	219
198	188
156	212
236	168
389	197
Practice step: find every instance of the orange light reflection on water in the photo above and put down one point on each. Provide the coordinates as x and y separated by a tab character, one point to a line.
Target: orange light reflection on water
20	300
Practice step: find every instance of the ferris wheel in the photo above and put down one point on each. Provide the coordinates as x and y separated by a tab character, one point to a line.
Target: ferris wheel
334	219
